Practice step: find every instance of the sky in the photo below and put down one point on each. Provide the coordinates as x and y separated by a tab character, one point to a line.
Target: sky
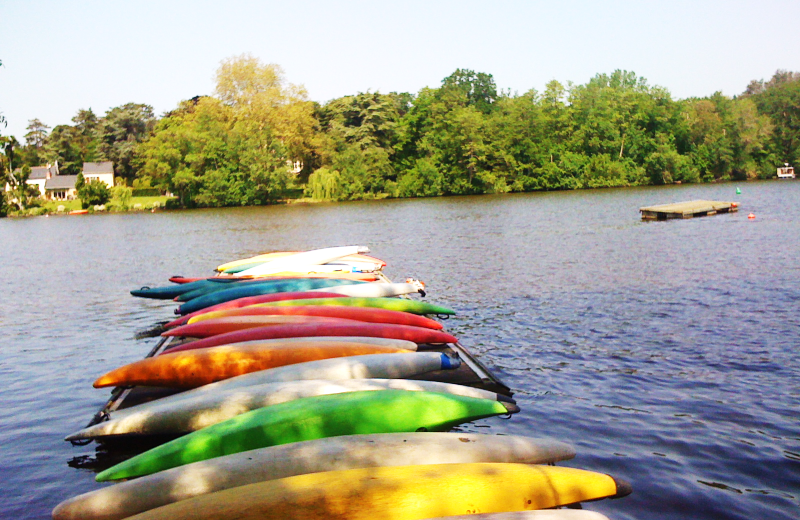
61	56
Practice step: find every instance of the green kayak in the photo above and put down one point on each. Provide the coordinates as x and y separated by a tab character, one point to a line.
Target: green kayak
384	411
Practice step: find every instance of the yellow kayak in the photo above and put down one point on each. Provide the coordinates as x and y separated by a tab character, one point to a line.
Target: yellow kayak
399	493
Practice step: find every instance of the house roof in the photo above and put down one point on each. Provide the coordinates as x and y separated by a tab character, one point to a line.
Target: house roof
38	172
60	182
98	167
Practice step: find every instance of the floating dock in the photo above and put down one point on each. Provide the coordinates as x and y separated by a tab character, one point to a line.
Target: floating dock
690	209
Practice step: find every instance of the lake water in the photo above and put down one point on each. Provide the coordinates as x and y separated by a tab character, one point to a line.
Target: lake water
665	352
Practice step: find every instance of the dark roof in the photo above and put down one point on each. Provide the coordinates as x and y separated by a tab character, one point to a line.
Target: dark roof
98	167
38	172
60	182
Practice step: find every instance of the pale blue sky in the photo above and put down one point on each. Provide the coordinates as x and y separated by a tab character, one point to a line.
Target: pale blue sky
61	56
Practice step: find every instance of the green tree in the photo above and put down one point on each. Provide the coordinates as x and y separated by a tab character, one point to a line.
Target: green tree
37	133
63	146
93	193
119	134
260	94
86	126
477	89
120	197
22	194
358	141
208	156
779	99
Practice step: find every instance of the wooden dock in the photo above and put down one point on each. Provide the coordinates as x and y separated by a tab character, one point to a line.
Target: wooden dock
690	209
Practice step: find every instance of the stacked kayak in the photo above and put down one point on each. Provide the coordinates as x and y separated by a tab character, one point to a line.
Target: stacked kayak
289	388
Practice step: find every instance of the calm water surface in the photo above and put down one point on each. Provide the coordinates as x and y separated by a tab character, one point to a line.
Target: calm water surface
665	352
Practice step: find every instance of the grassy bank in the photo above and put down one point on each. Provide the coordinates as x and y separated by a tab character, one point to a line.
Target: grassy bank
65	206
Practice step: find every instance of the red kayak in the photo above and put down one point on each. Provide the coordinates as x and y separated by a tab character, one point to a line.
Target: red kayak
368	314
365	277
225	324
252	300
370	330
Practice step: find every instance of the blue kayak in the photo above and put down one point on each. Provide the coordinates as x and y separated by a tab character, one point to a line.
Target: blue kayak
256	289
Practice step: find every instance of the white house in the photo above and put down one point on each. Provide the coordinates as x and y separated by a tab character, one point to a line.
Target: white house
61	187
101	171
40	174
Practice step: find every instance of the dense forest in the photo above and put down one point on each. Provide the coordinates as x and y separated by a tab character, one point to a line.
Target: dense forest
259	139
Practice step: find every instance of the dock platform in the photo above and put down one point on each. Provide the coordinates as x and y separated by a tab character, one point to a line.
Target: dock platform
690	209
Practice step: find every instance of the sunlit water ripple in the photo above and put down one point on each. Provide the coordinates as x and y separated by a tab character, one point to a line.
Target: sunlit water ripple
665	352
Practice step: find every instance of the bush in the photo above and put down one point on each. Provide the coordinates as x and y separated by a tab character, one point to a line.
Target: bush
120	198
93	193
324	184
423	180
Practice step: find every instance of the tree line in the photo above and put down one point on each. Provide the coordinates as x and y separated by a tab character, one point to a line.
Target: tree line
259	139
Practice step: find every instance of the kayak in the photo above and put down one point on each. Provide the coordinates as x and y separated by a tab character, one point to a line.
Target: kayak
399	493
217	322
356	328
378	366
313	418
173	291
252	300
329	454
373	290
312	256
378	290
362	261
306	258
264	257
270	287
178	415
395	304
239	282
193	368
368	314
216	326
366	277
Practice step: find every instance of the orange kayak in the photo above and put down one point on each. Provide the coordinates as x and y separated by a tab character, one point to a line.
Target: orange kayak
193	368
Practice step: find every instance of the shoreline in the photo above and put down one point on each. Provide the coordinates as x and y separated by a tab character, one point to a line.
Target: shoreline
153	208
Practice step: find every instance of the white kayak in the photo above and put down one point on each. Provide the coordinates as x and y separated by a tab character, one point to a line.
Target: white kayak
179	414
375	289
307	269
369	366
328	454
306	258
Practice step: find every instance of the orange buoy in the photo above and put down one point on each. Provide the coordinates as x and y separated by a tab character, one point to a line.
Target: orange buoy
751	216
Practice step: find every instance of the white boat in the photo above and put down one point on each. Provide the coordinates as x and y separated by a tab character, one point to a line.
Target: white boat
786	172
